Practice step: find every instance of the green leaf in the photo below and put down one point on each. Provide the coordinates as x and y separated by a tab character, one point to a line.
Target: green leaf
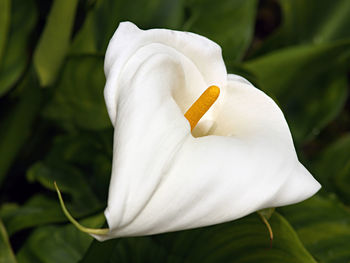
38	210
244	240
230	23
70	180
81	166
18	123
316	21
58	244
309	82
312	21
332	167
6	253
15	52
78	100
101	251
103	20
342	181
91	153
323	225
5	18
54	41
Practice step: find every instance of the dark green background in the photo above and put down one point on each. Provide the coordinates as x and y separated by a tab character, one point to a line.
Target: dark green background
54	125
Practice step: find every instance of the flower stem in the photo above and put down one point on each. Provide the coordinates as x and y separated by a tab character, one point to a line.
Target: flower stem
94	231
267	224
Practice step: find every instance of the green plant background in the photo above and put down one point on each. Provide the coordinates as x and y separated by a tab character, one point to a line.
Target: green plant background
54	125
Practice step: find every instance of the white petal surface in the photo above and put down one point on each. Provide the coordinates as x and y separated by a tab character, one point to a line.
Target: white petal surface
163	178
204	54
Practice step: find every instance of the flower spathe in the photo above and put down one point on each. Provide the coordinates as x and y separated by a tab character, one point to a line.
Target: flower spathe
240	158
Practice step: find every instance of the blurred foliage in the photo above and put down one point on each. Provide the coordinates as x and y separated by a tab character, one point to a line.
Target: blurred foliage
54	125
77	102
243	240
15	38
54	40
5	247
219	21
323	224
291	73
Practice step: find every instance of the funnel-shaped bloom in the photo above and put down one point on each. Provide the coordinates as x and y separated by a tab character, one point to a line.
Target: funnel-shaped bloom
240	158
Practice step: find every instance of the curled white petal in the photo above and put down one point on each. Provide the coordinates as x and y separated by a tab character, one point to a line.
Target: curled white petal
165	179
204	54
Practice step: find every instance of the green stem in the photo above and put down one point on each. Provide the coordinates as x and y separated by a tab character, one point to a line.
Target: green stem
94	231
267	224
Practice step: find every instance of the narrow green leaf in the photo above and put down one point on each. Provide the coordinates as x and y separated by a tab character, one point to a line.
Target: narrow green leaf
6	253
54	41
16	49
323	225
17	124
5	18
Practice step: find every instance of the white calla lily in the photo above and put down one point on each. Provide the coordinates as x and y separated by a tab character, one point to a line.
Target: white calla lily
240	158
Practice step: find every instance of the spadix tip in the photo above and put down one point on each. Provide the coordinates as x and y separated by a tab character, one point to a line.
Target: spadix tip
202	105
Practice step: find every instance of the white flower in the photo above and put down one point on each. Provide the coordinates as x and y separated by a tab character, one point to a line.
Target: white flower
239	159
